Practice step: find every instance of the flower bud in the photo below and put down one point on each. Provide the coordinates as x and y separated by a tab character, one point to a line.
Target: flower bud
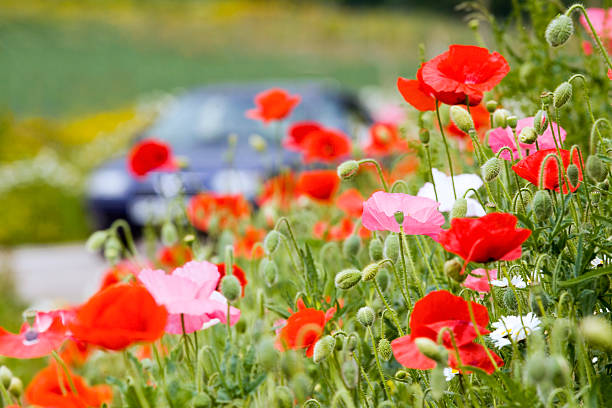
169	234
351	246
370	271
5	376
528	135
596	169
15	387
347	278
512	121
283	397
542	205
365	316
323	348
271	242
559	30
461	118
96	241
562	94
384	348
401	374
312	403
424	136
383	279
230	288
452	269
459	209
391	247
521	201
202	400
536	368
491	168
375	249
348	169
270	272
499	118
573	174
350	373
558	371
431	349
597	332
399	217
112	249
491	106
351	343
540	122
267	354
509	300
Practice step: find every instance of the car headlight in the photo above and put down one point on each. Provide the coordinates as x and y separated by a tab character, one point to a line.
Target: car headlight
236	182
108	183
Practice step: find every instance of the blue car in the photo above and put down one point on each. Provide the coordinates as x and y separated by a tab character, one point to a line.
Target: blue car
208	128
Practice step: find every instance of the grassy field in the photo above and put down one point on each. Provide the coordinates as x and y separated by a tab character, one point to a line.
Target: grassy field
71	58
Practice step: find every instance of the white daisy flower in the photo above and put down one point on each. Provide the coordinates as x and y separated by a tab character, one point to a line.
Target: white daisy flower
598	262
514	328
516	281
446	198
449	373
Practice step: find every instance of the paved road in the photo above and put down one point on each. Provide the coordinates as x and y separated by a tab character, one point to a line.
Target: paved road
55	274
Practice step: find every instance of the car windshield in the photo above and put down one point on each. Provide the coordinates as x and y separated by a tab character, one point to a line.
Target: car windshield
212	117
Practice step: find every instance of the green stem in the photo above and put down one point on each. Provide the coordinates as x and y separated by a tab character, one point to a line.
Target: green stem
391	311
64	367
450	164
378	169
380	371
602	49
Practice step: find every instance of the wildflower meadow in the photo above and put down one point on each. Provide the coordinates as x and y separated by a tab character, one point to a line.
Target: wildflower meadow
457	255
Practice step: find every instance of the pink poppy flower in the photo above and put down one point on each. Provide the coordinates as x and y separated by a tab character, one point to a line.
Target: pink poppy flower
602	23
480	282
47	333
421	215
189	291
501	137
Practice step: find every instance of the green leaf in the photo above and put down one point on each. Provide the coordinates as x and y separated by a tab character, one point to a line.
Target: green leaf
595	273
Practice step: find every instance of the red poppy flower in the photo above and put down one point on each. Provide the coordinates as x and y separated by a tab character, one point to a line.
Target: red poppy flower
279	190
416	92
318	184
44	390
325	145
118	316
529	169
246	242
149	155
480	116
47	333
273	104
490	238
298	133
463	72
75	353
227	209
120	273
441	309
351	202
237	272
171	257
384	140
303	330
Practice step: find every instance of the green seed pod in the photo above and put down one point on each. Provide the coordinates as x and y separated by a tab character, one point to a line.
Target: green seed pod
348	169
312	403
323	348
535	370
365	316
270	272
528	135
559	30
283	397
490	207
461	118
437	382
112	250
202	400
271	242
96	241
452	269
384	348
459	209
15	387
230	288
370	271
391	247
347	278
399	217
375	249
510	300
542	205
383	279
350	373
401	374
490	170
573	174
500	118
540	122
5	376
491	106
431	349
562	94
595	197
596	169
424	136
512	121
597	332
351	246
